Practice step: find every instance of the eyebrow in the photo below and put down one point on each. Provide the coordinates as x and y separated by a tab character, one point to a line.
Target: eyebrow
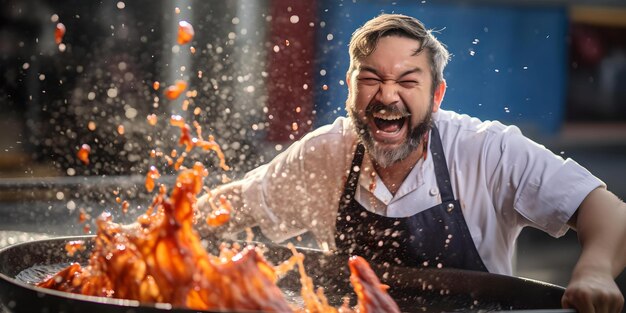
417	70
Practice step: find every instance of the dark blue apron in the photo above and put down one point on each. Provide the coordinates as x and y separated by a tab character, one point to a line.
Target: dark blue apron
436	237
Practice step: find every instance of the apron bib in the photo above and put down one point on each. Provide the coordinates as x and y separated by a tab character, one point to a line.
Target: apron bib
436	237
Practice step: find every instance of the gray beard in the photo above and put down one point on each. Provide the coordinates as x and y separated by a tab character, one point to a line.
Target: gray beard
385	157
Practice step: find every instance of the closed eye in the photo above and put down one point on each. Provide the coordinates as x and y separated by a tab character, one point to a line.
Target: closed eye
408	83
369	81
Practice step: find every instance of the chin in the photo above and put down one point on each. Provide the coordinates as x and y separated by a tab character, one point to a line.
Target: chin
385	155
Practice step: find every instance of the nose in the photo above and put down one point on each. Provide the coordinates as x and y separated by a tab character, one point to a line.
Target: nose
388	92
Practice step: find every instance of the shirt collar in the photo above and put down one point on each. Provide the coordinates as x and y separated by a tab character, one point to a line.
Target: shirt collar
370	181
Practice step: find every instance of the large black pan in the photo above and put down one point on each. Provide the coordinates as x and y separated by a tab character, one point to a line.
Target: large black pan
415	290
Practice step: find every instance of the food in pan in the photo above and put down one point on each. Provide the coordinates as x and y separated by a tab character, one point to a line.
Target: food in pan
160	258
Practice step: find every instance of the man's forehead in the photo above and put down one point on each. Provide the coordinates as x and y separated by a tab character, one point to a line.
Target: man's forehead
380	67
392	47
410	42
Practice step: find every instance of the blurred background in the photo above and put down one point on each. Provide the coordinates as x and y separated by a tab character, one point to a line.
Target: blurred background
261	74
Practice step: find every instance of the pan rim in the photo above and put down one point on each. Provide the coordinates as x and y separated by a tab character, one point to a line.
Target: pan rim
130	304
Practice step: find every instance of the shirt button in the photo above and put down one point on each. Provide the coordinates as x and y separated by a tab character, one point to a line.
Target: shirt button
434	191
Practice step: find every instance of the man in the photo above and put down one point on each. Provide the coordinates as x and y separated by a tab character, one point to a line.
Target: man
402	181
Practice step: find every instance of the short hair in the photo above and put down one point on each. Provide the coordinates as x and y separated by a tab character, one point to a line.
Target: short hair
365	39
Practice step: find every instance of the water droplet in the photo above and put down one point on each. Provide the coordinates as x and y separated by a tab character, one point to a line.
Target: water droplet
112	92
130	113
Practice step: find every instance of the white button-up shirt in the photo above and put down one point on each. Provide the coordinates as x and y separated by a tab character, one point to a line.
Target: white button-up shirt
503	180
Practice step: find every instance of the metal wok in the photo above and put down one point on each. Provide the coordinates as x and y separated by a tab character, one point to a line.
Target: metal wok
415	290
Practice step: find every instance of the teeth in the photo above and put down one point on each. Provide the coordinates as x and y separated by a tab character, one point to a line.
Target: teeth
388	117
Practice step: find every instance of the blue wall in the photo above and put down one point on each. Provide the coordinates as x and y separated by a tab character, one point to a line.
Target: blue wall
516	74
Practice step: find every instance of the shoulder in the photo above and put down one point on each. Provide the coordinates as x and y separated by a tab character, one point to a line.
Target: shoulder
336	137
455	128
340	128
449	121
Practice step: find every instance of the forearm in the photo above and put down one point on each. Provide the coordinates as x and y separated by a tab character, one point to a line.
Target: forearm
601	227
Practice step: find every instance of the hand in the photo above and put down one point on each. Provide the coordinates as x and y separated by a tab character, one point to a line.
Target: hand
593	292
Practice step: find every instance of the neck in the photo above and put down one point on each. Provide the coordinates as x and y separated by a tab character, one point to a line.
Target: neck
394	174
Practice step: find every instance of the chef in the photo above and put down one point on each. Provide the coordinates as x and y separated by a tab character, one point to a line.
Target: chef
402	181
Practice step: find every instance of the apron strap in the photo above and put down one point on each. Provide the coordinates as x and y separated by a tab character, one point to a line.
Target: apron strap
441	167
439	161
349	189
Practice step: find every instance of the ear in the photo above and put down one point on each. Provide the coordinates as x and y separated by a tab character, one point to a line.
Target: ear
440	91
348	80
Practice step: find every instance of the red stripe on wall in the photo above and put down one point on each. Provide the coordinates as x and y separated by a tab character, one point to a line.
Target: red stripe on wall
290	103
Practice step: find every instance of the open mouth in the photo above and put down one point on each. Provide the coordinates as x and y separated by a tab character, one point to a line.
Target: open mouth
389	122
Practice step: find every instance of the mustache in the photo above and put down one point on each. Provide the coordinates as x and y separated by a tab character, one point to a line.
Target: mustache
390	109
